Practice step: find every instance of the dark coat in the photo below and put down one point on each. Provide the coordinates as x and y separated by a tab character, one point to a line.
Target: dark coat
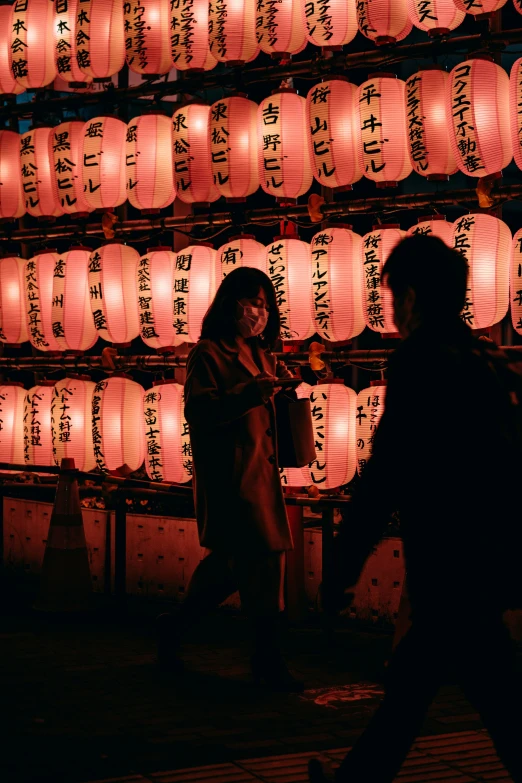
238	493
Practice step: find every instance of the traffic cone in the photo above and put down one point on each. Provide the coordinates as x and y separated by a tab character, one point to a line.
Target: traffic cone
65	584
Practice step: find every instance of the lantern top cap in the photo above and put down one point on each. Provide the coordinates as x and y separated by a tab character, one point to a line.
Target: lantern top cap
434	67
80	247
381	75
333	224
73	376
241	236
378	226
290	90
166	382
12	383
159	249
279	237
380	382
426	218
487	57
44	383
201	244
190	102
46	251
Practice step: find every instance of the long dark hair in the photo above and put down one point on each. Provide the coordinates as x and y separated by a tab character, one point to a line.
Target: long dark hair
242	283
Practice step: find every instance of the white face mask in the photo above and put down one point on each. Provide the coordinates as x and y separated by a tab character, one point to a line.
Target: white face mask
253	321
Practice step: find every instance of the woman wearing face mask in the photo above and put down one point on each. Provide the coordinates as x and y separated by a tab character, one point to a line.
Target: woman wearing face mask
231	379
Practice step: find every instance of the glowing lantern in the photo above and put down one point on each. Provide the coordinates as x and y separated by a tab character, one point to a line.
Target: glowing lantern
112	288
32	58
330	24
242	250
99	38
515	108
429	145
378	299
435	17
71	422
8	83
12	202
39	276
485	241
155	275
370	407
150	183
67	156
479	7
279	27
284	156
73	325
515	282
383	123
12	399
191	155
117	424
65	54
479	127
233	147
168	450
13	325
38	181
337	300
197	272
147	41
288	265
189	39
232	31
518	5
436	226
38	439
334	134
383	21
104	162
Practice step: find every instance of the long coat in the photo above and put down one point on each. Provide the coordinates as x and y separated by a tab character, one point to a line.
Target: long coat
238	494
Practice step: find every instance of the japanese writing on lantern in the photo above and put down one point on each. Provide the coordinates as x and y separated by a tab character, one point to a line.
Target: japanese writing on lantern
470	4
181	150
426	12
64	33
516	285
363	21
320	132
462	114
132	153
371	128
217	22
146	314
321	283
319	20
219	147
136	27
29	171
416	130
231	255
518	88
463	234
272	144
65	168
318	404
19	62
96	292
57	310
61	420
91	156
3	398
153	435
182	267
370	408
34	310
186	446
422	228
278	274
83	28
372	279
183	30
97	437
267	25
33	413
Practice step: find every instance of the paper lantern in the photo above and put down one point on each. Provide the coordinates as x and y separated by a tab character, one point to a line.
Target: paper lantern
65	52
284	157
337	295
112	289
32	55
193	176
150	182
515	282
39	277
334	134
12	202
435	17
383	21
13	325
38	440
479	128
243	250
189	39
155	281
147	36
436	226
280	27
197	273
67	142
232	30
104	162
117	424
378	300
382	118
12	399
8	83
479	7
288	265
485	241
429	145
518	5
99	37
233	147
36	166
515	110
168	453
370	407
72	321
330	24
71	422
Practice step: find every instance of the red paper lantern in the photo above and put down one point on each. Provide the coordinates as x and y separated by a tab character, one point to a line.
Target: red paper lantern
436	226
73	325
334	134
71	422
515	282
197	273
99	37
67	157
288	265
112	288
515	109
39	277
330	24
8	83
284	157
376	247
485	241
12	202
104	162
243	250
189	37
12	399
168	453
429	145
193	176
382	118
479	7
479	129
383	21
150	183
32	55
65	52
38	180
435	17
13	325
232	30
370	407
233	147
38	439
117	424
155	278
337	295
147	36
280	27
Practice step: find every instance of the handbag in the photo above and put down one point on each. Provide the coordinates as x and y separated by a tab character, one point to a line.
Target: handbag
295	432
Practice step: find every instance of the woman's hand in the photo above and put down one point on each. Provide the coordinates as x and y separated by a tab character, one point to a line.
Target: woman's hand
266	385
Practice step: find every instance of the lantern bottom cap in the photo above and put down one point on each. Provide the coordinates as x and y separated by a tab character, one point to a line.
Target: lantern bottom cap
437	32
437	177
102	79
236	200
388	183
384	40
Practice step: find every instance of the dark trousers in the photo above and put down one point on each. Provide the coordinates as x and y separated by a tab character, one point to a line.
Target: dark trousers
480	656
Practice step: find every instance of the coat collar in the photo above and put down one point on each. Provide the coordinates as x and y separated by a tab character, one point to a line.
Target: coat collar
245	359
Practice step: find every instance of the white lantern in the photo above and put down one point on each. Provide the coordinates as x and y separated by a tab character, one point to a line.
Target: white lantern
168	453
370	407
71	412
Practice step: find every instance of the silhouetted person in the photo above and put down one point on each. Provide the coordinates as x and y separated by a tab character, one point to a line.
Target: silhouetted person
445	456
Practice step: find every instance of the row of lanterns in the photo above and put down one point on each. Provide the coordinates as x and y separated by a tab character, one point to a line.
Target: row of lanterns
116	422
434	123
331	287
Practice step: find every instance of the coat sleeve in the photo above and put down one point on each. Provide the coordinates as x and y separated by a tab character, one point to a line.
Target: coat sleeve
207	405
282	371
